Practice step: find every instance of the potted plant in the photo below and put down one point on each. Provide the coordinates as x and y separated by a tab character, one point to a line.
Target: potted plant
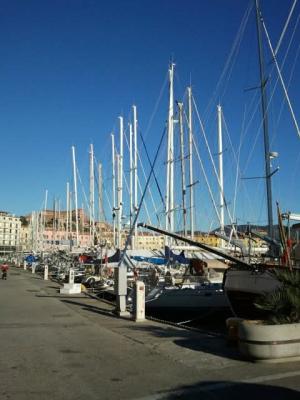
278	335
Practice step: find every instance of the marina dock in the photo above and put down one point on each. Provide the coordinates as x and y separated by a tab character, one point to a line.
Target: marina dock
58	347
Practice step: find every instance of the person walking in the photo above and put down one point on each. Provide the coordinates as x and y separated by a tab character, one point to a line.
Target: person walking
4	269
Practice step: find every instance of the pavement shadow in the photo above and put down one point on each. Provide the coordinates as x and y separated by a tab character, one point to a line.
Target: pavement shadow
212	345
201	341
225	390
94	309
54	287
57	296
193	340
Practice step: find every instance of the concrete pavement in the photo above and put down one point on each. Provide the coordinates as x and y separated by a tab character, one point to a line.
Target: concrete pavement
56	347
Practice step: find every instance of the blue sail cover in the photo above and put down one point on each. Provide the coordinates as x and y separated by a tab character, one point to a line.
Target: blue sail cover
152	260
180	258
30	258
169	257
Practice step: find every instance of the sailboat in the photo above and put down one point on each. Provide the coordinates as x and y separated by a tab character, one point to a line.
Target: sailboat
197	296
245	280
243	284
197	292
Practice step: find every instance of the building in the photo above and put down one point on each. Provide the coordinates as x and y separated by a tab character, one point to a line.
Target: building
60	240
25	238
208	239
54	229
58	219
10	231
149	242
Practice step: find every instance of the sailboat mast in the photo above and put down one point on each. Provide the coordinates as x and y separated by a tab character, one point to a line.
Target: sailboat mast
191	183
75	195
130	174
54	216
36	230
100	193
31	230
44	217
118	200
70	216
92	195
263	82
120	188
170	158
220	156
68	207
182	163
59	219
113	187
135	179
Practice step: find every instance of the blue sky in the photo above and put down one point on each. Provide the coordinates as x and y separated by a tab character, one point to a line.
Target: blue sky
69	68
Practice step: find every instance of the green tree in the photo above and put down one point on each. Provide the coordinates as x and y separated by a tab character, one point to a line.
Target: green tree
283	304
24	221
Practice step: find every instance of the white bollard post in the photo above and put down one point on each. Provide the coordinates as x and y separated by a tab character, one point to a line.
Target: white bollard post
46	272
24	265
33	266
120	275
71	276
139	301
71	287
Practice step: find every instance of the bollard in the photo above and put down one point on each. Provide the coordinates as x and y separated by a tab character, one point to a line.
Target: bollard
120	285
25	265
46	272
33	266
71	287
71	276
139	301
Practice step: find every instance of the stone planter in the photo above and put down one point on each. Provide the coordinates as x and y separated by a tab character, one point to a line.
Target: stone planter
260	341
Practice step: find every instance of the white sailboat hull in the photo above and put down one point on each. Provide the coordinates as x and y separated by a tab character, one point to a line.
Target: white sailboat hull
242	288
187	299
